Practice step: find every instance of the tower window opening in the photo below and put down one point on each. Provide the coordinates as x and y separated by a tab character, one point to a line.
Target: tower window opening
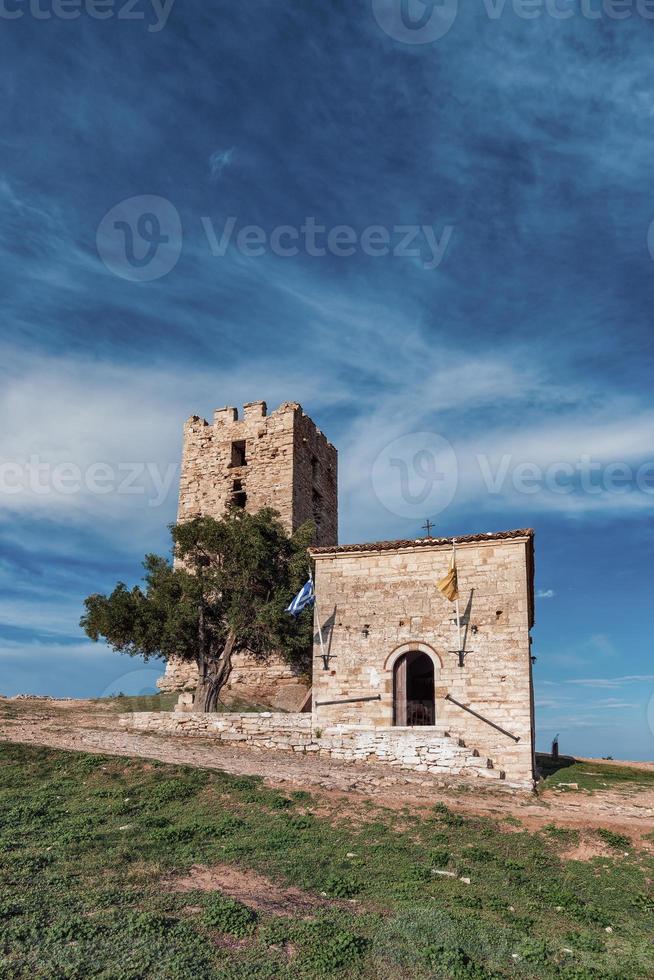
238	453
239	499
317	508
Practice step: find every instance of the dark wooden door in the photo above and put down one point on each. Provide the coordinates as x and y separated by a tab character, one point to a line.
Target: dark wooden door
400	713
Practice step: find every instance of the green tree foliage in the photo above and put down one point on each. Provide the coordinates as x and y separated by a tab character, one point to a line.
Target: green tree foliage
225	591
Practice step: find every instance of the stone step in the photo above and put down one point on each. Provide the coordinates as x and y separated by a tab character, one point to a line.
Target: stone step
456	757
438	731
490	773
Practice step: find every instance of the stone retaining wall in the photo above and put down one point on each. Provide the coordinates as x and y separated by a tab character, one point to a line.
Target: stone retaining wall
265	729
432	750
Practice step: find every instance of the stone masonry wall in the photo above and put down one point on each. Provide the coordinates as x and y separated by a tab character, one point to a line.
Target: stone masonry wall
273	684
285	731
420	750
315	489
288	464
376	605
180	675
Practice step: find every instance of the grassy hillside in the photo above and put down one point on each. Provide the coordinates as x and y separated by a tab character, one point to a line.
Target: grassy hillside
591	776
91	847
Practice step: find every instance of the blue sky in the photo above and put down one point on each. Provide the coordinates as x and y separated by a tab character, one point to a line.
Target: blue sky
524	146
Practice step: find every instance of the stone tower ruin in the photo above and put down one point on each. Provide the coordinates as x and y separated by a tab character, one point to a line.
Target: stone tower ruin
281	460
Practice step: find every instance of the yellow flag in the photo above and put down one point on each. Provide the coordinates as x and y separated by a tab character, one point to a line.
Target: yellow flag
449	585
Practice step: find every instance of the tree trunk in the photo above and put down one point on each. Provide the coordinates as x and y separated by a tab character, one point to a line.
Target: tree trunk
214	673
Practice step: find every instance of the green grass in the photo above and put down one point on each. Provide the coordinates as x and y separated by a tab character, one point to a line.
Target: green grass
125	703
617	841
88	844
591	775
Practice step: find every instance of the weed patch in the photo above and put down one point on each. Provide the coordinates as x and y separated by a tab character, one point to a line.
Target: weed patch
228	915
617	841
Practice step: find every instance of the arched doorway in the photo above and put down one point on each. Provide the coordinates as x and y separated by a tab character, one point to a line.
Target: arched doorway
413	690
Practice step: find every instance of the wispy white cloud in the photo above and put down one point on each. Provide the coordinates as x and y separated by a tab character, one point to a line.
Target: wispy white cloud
10	649
614	704
545	594
575	721
610	682
551	703
583	707
473	402
91	414
219	160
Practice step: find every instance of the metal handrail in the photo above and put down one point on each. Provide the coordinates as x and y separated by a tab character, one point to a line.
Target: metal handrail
377	697
448	697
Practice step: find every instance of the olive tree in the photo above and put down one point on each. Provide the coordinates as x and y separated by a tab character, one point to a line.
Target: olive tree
225	591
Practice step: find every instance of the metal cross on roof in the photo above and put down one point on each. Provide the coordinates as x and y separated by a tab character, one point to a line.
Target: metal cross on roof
427	526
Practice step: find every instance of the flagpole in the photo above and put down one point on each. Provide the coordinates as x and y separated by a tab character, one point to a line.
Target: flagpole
315	602
458	616
322	644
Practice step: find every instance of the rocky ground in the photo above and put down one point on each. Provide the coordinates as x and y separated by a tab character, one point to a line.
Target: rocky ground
92	727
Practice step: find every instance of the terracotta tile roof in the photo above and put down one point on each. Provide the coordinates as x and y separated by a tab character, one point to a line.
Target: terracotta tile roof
421	542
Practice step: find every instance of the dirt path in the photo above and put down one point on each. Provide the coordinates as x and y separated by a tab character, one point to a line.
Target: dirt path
89	727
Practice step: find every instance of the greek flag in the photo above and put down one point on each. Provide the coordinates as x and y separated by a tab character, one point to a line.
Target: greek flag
305	598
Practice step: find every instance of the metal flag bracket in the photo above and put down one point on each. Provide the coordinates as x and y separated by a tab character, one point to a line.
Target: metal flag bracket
462	654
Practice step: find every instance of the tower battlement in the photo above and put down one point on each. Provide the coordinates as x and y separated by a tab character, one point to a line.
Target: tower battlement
281	460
